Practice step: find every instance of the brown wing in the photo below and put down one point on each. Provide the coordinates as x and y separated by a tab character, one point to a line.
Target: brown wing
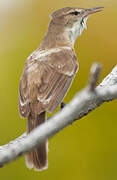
56	86
45	83
24	108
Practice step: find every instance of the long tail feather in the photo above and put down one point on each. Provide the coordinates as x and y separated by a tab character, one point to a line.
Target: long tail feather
37	158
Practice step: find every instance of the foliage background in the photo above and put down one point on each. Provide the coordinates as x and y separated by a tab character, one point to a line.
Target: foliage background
87	150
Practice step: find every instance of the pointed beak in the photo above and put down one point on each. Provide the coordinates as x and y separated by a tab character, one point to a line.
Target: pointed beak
92	11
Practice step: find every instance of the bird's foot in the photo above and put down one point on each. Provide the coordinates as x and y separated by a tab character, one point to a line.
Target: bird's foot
62	105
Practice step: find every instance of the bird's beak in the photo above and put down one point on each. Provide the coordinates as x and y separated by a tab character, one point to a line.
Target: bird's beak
92	10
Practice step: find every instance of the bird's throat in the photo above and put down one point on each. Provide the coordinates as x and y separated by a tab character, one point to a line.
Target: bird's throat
76	30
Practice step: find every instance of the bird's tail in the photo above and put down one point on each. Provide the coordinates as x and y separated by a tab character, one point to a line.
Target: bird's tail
37	158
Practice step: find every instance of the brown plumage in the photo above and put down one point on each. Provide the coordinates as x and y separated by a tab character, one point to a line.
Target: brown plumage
48	74
43	85
38	157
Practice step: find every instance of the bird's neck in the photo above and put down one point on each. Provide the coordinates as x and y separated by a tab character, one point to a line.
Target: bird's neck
56	36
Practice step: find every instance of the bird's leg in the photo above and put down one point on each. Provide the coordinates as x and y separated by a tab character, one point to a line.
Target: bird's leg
62	105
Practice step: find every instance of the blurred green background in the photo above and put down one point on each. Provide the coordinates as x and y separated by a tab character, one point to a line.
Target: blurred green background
87	150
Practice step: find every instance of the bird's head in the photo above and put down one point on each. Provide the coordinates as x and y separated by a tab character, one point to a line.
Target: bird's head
73	19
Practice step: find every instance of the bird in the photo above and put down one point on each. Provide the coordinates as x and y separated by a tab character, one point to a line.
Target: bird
48	74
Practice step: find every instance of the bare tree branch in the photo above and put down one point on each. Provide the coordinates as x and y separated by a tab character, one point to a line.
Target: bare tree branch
84	102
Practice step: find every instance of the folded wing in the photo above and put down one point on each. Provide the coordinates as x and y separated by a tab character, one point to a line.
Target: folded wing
44	82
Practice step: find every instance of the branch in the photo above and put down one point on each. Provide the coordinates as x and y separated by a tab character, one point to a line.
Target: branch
84	102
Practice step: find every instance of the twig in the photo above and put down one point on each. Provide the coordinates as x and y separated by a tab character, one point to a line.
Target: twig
94	75
84	102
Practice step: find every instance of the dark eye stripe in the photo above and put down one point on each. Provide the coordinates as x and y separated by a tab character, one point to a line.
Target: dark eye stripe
75	13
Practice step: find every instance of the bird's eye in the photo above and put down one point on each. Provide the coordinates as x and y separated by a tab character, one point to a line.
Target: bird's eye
75	13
